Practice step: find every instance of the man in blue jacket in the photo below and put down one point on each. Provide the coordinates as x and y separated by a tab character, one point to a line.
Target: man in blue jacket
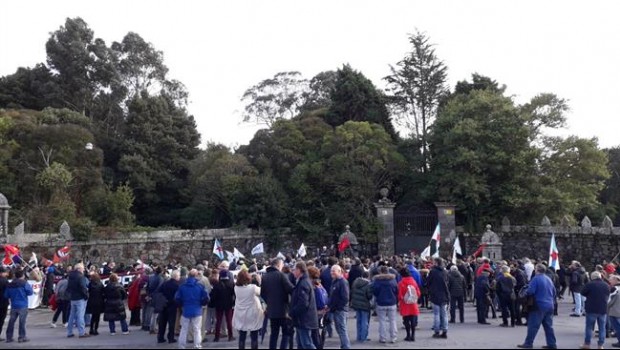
544	292
339	305
597	294
18	292
385	290
303	307
191	296
77	288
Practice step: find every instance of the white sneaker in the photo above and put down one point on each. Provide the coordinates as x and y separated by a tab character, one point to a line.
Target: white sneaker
125	333
52	325
112	333
64	325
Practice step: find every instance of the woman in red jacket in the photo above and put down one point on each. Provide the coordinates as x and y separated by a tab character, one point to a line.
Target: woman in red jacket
408	293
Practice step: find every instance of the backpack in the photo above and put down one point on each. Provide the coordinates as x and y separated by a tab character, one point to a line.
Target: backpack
411	297
321	298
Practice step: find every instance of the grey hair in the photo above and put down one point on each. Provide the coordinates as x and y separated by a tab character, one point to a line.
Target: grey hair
505	268
540	268
454	268
595	275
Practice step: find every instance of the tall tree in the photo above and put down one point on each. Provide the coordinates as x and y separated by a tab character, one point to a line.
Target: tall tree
32	88
417	85
355	98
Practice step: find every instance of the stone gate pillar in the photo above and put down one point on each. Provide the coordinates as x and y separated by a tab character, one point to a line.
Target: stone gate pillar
447	220
385	214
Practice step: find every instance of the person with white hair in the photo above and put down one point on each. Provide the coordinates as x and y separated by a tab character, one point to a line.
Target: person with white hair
597	293
613	307
168	315
529	268
339	305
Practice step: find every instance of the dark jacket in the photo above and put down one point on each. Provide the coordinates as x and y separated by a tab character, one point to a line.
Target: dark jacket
456	284
18	292
482	287
597	295
355	272
275	291
223	295
114	295
520	277
169	290
577	280
385	289
153	284
361	294
326	278
438	286
506	286
95	302
4	282
339	295
191	296
303	305
78	286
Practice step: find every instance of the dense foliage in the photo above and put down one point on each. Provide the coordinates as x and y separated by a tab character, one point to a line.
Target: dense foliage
330	145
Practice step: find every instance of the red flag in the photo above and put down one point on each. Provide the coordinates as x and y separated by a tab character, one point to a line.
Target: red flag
62	254
346	243
7	260
479	251
45	262
11	249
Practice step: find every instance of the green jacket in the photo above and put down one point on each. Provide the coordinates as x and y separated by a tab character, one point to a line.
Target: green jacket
361	294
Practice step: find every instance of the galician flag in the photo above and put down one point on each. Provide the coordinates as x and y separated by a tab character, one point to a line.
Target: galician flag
218	250
457	251
259	249
554	257
302	250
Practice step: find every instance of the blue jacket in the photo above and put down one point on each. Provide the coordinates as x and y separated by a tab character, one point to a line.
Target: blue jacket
482	287
543	290
415	274
597	295
326	278
191	296
438	286
385	289
18	291
339	295
77	286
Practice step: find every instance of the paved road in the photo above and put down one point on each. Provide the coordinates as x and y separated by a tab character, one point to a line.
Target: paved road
569	332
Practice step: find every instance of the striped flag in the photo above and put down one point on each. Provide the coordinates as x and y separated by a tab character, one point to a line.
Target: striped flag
554	257
435	242
457	251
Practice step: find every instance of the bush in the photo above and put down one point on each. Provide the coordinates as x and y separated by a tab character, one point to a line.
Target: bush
82	229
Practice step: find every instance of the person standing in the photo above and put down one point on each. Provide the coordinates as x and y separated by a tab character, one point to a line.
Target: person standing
4	302
224	299
133	300
303	307
63	301
77	288
168	316
17	292
249	315
361	295
506	293
408	293
482	291
440	297
114	309
276	290
577	281
597	294
339	305
154	282
613	307
191	297
95	303
457	287
385	290
542	289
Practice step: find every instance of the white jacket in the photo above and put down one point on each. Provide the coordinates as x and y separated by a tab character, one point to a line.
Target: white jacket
248	315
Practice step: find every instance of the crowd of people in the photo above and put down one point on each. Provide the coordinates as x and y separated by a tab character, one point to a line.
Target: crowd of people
303	301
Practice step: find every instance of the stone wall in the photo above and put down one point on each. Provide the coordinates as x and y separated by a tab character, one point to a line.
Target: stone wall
184	246
584	243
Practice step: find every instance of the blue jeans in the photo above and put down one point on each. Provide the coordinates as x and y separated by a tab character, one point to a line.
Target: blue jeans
303	339
22	314
615	323
591	319
76	316
579	302
363	318
340	323
440	316
124	327
534	320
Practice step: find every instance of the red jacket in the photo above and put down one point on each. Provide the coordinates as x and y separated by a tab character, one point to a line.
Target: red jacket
133	298
407	309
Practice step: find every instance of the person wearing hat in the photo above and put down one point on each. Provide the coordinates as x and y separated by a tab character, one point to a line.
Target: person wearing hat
4	302
223	295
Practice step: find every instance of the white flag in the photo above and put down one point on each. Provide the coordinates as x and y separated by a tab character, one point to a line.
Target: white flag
237	254
281	256
259	249
230	256
457	250
302	250
426	253
34	262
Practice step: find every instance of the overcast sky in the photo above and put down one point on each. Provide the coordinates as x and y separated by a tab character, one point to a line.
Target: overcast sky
220	48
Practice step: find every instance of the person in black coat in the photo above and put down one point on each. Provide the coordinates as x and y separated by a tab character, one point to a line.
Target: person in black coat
356	271
169	315
303	307
440	297
482	290
114	309
223	296
95	303
275	291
